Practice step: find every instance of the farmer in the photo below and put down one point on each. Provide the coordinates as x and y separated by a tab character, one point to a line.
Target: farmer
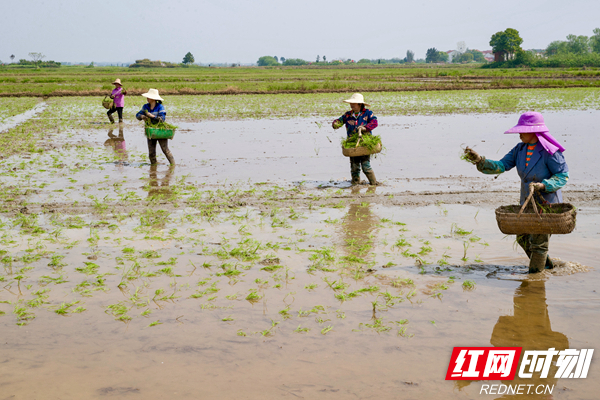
118	95
358	118
154	112
540	163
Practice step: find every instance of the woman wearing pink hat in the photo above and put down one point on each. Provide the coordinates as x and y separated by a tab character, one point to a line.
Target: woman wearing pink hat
540	162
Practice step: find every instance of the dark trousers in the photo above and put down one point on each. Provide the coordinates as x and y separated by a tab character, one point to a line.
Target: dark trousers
164	145
357	162
119	111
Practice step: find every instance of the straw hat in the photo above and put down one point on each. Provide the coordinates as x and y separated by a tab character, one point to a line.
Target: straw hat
357	98
153	94
118	82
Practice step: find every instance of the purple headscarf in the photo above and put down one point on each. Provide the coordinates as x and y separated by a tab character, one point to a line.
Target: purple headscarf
533	122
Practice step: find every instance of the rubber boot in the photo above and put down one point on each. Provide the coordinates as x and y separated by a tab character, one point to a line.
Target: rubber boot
170	157
371	176
153	160
356	180
111	119
120	120
537	262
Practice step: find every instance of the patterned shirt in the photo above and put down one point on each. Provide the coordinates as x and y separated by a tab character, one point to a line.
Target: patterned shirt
365	118
159	112
530	148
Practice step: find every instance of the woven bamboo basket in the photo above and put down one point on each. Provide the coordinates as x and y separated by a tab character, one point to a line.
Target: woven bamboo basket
107	103
361	151
557	219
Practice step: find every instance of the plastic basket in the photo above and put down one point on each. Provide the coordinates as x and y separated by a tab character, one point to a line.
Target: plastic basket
157	133
559	218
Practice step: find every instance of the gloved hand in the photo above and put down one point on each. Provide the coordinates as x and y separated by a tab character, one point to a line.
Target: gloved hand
336	124
472	155
537	186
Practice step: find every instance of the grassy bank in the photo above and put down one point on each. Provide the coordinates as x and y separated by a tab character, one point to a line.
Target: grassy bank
81	81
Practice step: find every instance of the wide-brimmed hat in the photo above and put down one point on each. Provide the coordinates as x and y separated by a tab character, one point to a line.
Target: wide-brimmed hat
153	94
118	82
530	122
357	98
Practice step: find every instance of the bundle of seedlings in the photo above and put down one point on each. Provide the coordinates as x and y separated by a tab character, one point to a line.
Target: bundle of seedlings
369	141
160	125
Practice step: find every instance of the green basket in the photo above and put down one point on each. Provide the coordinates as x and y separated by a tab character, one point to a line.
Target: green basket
157	133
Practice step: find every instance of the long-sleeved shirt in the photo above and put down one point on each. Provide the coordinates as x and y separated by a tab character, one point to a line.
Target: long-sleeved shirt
118	96
159	113
352	121
537	166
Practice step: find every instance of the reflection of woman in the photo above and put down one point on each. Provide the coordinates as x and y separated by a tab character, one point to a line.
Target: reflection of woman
540	162
118	144
358	117
118	96
358	226
154	112
159	187
529	327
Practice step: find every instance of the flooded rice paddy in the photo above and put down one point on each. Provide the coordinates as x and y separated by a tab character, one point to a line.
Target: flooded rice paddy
253	270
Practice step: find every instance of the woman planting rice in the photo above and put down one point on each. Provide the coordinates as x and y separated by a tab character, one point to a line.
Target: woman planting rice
540	162
363	119
154	113
118	95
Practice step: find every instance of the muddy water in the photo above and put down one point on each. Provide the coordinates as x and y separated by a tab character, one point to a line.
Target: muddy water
178	338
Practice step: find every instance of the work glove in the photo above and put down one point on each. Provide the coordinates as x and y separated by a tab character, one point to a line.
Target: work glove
537	186
472	155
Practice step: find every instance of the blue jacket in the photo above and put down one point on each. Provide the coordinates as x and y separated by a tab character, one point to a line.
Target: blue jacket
551	170
366	118
159	112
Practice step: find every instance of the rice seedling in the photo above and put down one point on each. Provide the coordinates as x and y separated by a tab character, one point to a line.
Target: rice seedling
468	285
326	330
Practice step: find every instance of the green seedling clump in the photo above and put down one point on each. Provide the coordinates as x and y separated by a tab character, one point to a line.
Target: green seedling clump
367	140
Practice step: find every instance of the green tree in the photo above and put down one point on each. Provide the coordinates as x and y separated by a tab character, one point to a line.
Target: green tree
276	59
318	58
266	61
282	59
364	61
188	58
594	41
37	58
410	56
432	55
477	56
464	57
556	47
507	43
443	56
294	61
578	44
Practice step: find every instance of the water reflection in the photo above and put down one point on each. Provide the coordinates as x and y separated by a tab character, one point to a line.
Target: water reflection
359	226
160	187
118	145
529	327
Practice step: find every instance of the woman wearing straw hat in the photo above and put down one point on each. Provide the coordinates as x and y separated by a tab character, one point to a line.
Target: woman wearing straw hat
118	95
154	112
540	163
359	117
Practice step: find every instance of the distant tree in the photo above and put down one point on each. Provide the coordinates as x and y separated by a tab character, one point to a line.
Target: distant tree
555	47
37	58
477	55
410	56
188	58
506	43
266	61
464	57
12	57
594	41
432	55
578	44
294	61
276	59
364	61
318	58
324	59
443	56
282	59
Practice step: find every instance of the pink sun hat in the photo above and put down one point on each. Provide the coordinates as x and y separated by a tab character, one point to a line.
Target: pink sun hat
533	122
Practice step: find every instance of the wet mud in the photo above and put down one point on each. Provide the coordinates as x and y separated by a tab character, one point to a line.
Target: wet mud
236	274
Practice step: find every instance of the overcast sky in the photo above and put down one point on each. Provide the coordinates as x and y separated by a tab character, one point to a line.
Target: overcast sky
242	31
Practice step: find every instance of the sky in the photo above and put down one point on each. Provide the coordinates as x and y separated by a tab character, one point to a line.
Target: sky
240	31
